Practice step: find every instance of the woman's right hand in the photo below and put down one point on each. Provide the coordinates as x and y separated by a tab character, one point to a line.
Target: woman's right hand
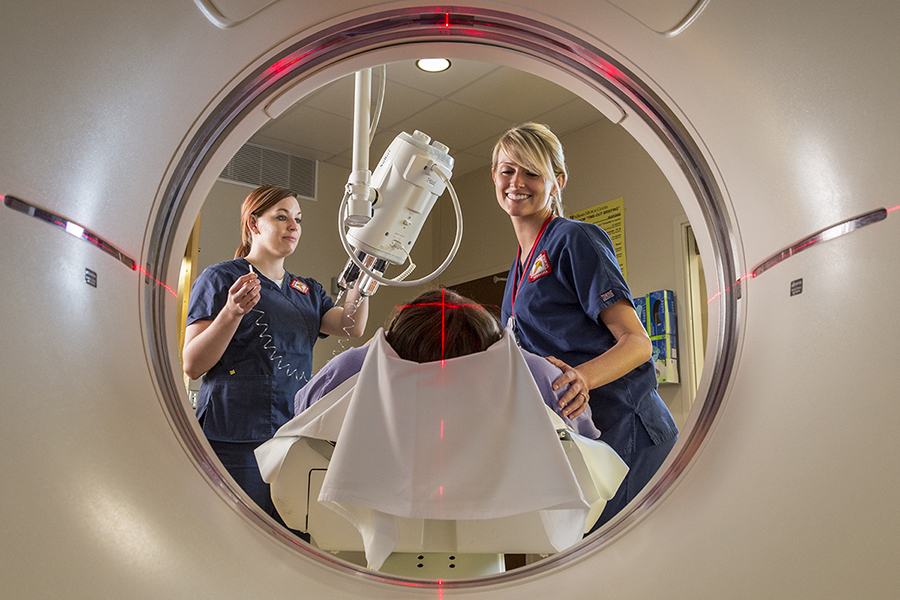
205	341
575	400
243	294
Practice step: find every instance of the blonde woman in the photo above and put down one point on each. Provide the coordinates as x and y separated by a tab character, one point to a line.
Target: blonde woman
567	300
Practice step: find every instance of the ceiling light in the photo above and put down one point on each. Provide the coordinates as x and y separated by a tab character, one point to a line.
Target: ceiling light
433	65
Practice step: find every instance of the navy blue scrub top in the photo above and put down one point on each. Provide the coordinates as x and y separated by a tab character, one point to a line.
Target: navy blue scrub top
572	276
249	393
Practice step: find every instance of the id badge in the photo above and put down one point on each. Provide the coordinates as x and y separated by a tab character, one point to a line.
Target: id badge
511	325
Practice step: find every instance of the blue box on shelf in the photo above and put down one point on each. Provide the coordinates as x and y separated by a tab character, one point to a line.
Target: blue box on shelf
663	330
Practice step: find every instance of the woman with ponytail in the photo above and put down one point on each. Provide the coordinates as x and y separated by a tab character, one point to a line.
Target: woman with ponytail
251	328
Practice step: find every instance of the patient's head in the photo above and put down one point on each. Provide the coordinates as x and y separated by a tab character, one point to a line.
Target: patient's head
441	324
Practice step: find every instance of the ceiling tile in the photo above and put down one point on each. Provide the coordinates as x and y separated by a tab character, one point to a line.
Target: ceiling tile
313	128
335	98
400	101
460	74
573	115
464	163
513	95
487	99
454	125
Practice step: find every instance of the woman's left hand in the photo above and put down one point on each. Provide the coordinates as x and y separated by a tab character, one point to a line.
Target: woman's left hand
575	400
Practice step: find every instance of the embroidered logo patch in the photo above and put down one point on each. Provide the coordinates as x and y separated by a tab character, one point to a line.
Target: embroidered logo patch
607	296
299	286
541	267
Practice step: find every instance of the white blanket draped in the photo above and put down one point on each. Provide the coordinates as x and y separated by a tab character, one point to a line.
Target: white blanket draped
463	439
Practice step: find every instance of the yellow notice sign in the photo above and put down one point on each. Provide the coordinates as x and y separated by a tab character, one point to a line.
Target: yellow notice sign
610	216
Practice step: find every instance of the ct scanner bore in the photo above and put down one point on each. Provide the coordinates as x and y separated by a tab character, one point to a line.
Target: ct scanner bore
101	499
492	29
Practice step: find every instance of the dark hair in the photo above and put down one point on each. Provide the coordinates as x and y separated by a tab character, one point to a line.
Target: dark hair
441	324
255	204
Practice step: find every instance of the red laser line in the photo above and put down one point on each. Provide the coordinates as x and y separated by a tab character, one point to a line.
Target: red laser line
441	304
444	306
728	289
443	329
158	282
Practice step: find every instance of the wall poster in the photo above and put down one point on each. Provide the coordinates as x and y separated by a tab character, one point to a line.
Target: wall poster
610	216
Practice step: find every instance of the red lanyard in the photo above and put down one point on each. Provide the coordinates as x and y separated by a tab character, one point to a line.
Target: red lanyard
521	279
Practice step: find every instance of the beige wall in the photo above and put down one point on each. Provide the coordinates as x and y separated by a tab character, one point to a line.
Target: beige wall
604	163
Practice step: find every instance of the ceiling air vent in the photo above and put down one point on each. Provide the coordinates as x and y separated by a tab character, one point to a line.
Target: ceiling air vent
255	165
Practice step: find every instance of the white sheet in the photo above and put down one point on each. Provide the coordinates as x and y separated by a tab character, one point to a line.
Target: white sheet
466	439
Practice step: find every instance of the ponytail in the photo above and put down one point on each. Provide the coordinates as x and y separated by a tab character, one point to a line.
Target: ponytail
244	249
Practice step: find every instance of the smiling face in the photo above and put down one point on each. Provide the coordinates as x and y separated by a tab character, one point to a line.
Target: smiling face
277	230
528	167
520	191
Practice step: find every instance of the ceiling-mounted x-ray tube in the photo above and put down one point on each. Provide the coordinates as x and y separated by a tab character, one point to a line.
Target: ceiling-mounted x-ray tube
386	212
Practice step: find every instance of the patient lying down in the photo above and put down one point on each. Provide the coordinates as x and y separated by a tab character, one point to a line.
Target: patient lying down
444	419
